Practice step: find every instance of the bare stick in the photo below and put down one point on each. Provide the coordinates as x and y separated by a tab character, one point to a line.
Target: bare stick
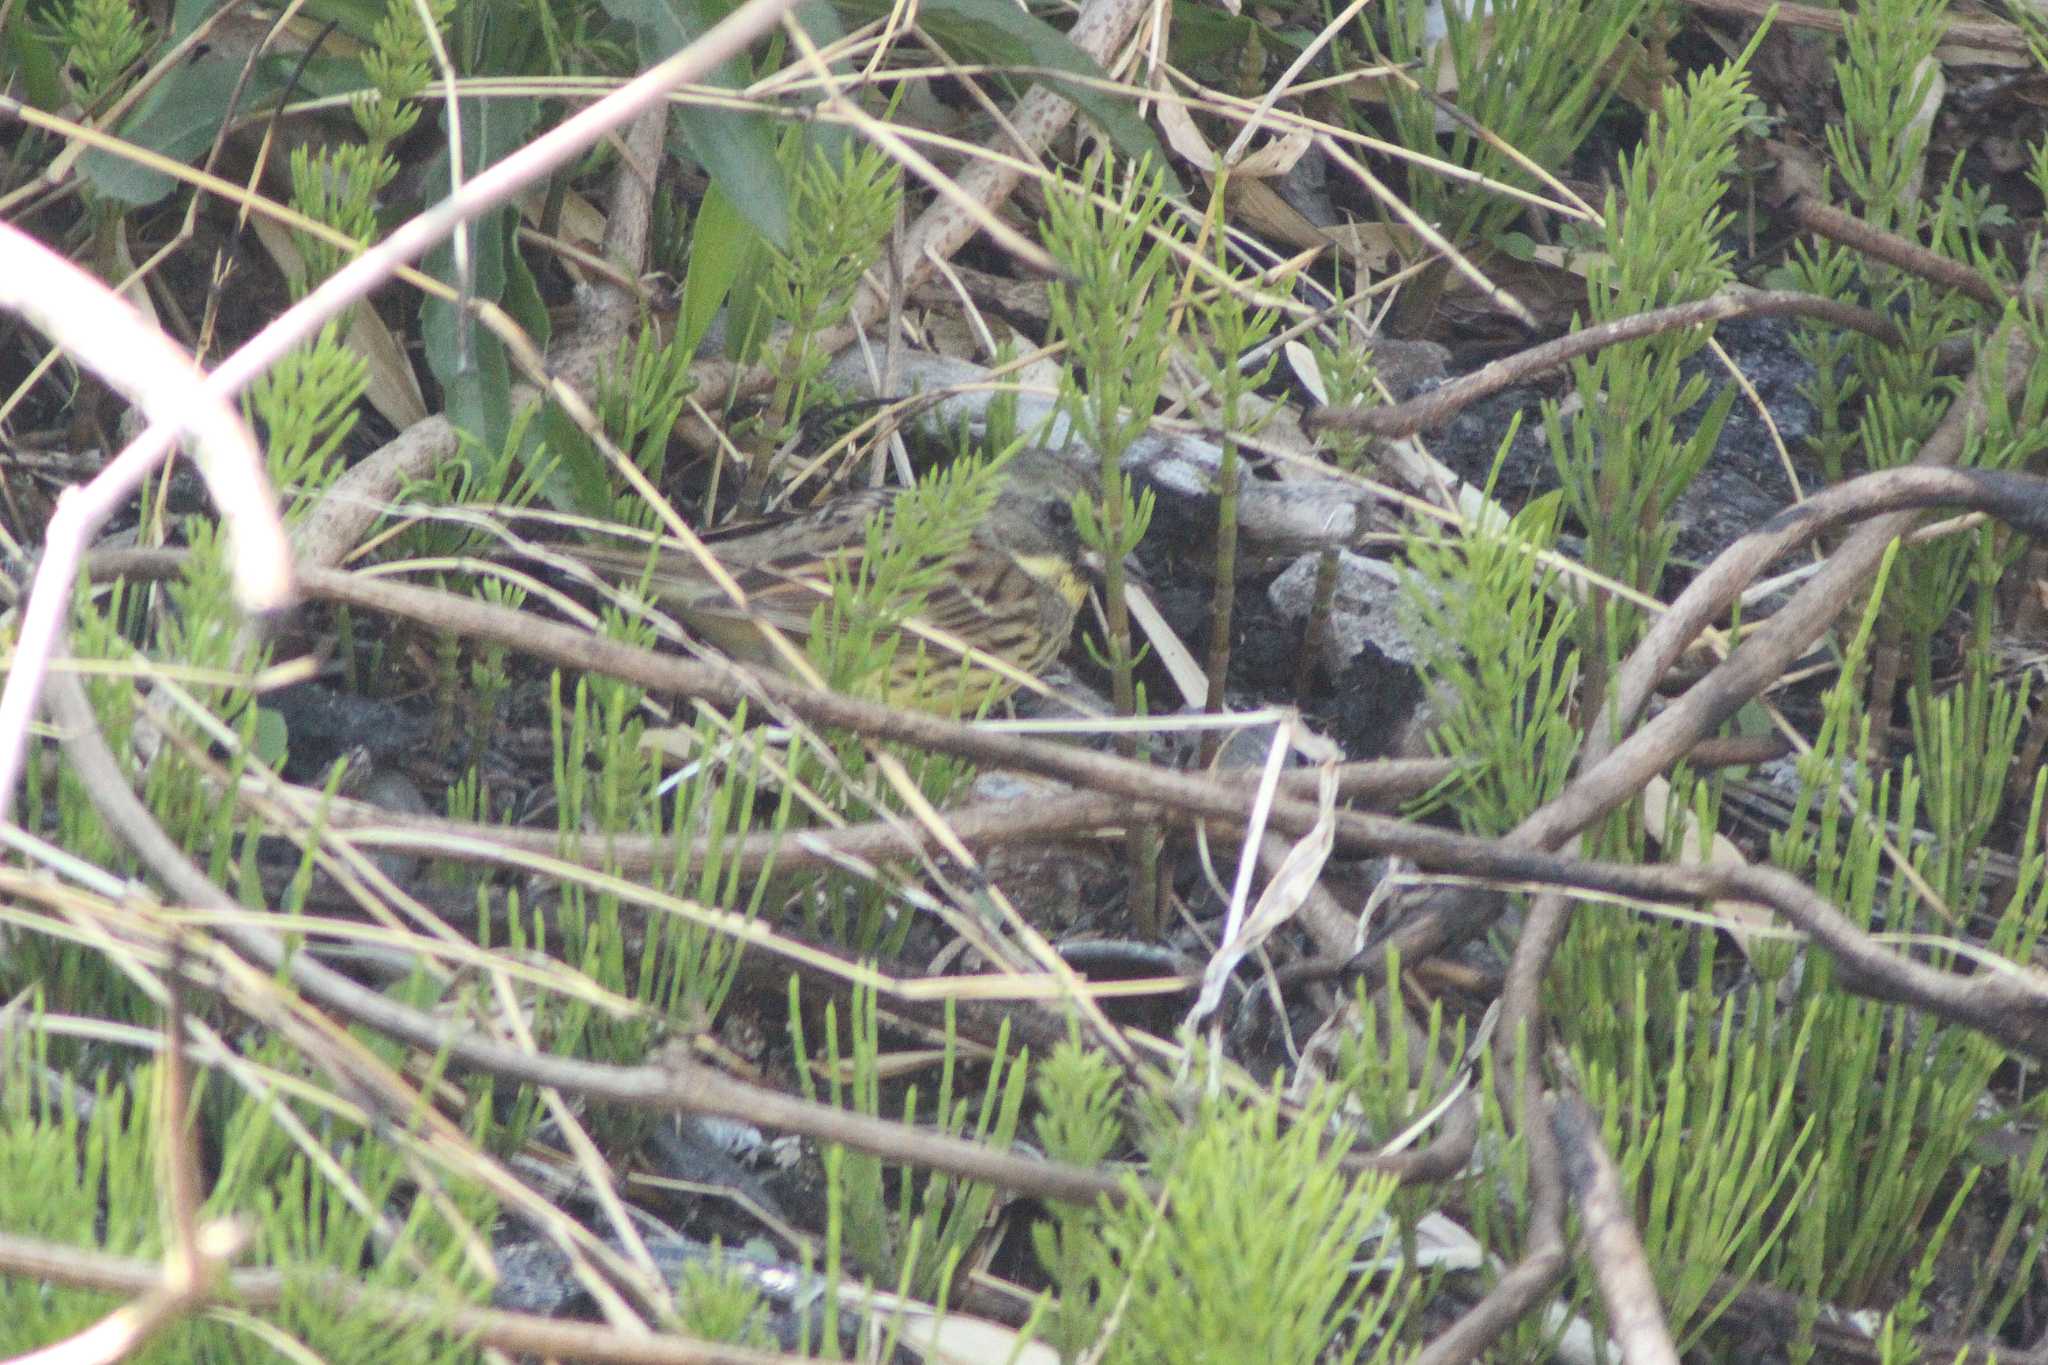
1608	1213
1442	403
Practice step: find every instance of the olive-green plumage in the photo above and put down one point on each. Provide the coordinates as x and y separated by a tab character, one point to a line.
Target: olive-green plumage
1006	605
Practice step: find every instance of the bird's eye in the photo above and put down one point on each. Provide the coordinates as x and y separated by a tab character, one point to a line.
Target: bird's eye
1060	515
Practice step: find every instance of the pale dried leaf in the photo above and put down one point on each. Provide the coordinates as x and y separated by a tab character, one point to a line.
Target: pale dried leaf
1278	903
1302	361
1188	674
1276	157
1741	921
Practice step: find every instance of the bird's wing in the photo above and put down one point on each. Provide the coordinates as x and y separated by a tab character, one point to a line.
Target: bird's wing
989	600
841	521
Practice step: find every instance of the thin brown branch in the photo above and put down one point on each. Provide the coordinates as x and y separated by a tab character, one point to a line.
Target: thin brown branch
983	825
1519	1084
1443	1159
1886	501
1985	33
1736	751
1851	231
1527	1284
1440	404
1607	1217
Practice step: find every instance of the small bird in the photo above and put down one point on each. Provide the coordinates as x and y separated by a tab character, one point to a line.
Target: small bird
1003	608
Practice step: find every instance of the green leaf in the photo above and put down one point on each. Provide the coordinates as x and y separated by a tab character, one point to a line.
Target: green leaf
26	61
1202	34
738	149
523	301
178	120
272	740
998	33
581	480
477	399
821	22
477	394
719	251
1519	246
357	18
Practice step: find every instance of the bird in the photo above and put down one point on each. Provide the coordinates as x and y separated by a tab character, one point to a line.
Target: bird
992	616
